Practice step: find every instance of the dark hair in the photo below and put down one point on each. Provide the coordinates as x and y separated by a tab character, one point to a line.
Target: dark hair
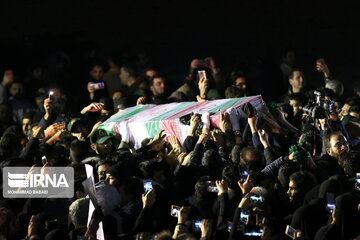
329	93
237	75
351	163
286	170
79	150
304	180
233	92
104	161
132	186
156	76
300	97
291	75
230	175
130	69
328	138
355	109
149	167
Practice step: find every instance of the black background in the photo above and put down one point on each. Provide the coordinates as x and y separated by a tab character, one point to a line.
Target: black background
174	32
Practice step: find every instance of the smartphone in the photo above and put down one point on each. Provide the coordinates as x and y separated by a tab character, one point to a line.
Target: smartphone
202	74
174	212
257	199
290	231
330	202
253	231
148	186
211	186
98	85
357	182
51	95
229	226
244	216
197	226
44	160
243	176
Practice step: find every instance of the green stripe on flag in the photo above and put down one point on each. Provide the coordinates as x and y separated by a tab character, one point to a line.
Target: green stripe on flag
173	111
153	128
227	104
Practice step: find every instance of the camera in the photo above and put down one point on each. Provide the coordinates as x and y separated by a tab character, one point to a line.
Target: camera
320	108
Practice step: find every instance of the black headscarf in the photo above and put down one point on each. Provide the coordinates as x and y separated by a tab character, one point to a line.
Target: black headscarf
347	219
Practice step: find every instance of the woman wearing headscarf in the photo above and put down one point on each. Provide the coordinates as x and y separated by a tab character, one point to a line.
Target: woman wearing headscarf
345	220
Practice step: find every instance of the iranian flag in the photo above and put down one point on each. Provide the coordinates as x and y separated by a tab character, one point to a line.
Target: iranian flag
144	121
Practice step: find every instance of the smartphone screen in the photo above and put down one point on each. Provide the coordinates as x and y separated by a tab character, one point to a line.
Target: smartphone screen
330	202
253	231
148	186
243	176
256	199
51	95
211	186
244	216
202	74
174	211
229	226
357	182
197	226
290	231
44	160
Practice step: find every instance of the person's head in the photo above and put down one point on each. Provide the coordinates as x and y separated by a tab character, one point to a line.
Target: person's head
351	101
230	175
157	85
102	167
251	158
233	92
285	171
26	123
77	125
79	150
127	72
336	144
211	159
155	170
239	81
297	80
201	190
346	215
151	72
130	189
336	86
16	89
101	143
350	163
297	100
97	72
78	212
289	57
355	111
300	183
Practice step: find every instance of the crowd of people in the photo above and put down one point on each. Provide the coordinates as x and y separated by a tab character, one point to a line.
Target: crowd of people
291	175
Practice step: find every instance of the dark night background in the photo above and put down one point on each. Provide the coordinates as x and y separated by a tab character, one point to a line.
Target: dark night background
174	32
